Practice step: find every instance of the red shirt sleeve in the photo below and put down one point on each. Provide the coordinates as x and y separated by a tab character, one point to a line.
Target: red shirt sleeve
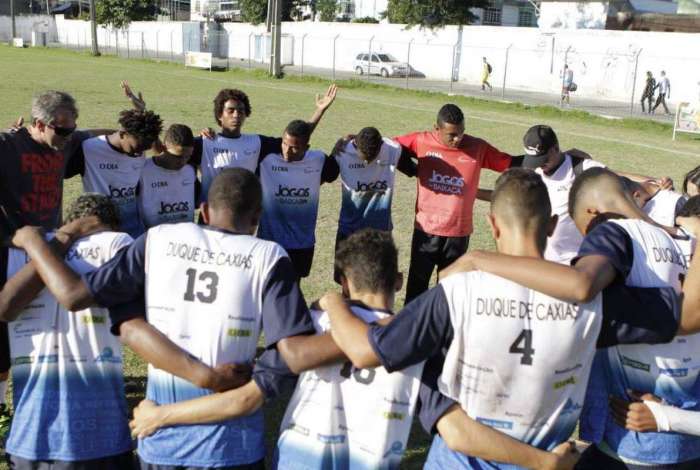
494	159
410	141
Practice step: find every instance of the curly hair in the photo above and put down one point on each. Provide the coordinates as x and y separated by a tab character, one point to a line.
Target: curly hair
230	94
94	204
369	258
144	125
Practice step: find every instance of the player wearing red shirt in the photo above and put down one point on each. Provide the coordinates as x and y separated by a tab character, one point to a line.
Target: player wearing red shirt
449	165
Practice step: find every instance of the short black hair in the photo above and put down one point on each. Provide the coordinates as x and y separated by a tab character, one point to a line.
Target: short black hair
143	124
236	189
230	94
369	258
179	134
450	114
693	176
94	204
369	142
691	208
300	129
584	181
521	197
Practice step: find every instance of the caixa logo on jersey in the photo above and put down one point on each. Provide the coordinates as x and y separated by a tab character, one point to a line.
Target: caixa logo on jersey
173	207
446	183
375	186
108	166
285	191
127	192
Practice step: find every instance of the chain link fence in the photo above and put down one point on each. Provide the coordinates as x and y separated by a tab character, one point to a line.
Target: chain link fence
608	83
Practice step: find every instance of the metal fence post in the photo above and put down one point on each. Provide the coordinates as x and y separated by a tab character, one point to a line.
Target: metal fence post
128	46
563	75
303	37
116	42
408	61
452	68
228	50
505	71
142	46
634	80
157	46
335	39
369	58
172	53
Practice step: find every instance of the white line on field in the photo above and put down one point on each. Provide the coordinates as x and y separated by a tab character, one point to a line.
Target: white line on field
394	105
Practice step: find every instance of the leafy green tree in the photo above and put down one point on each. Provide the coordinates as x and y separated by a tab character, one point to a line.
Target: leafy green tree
327	9
253	11
119	13
433	13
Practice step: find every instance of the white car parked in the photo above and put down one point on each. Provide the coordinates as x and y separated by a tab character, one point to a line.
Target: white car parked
380	63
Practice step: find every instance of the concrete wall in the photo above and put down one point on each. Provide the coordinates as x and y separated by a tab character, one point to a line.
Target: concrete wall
603	62
25	25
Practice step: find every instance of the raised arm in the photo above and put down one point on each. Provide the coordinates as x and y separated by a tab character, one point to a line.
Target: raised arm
469	437
322	104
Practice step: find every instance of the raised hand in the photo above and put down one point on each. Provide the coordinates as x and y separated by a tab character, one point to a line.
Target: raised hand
137	101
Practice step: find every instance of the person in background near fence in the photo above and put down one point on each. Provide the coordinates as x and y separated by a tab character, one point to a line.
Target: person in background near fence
567	81
648	93
485	74
664	87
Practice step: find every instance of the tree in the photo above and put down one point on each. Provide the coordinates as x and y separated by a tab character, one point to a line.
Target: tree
433	14
327	9
253	11
119	13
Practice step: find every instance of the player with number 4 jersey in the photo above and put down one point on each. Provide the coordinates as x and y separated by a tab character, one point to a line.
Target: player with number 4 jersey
519	405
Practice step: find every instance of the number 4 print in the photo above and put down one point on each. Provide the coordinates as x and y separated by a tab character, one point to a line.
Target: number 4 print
523	345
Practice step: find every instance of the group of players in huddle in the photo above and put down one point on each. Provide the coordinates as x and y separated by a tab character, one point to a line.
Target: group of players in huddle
588	312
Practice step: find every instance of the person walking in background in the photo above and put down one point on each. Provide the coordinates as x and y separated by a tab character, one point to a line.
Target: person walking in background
485	74
664	87
567	80
648	93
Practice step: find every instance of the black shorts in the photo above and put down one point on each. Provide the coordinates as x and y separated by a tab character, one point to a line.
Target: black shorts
428	252
595	459
149	466
125	461
302	259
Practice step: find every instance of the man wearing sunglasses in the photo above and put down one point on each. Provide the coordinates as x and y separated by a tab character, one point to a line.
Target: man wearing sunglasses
35	161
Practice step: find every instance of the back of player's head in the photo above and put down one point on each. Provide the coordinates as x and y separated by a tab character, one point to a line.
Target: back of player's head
179	134
145	126
630	186
593	184
692	177
299	129
520	199
368	143
691	208
228	94
369	259
48	104
97	205
237	190
450	114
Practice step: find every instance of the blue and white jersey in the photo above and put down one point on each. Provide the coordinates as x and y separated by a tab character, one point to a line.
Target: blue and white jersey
501	364
68	388
291	193
227	152
343	417
669	371
212	293
663	207
367	188
116	175
166	196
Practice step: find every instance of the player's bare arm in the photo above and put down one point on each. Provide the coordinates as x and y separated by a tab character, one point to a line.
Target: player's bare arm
580	283
469	437
690	318
305	352
158	350
24	286
349	332
149	417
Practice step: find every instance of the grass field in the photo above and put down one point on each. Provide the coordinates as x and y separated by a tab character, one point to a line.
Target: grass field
185	96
